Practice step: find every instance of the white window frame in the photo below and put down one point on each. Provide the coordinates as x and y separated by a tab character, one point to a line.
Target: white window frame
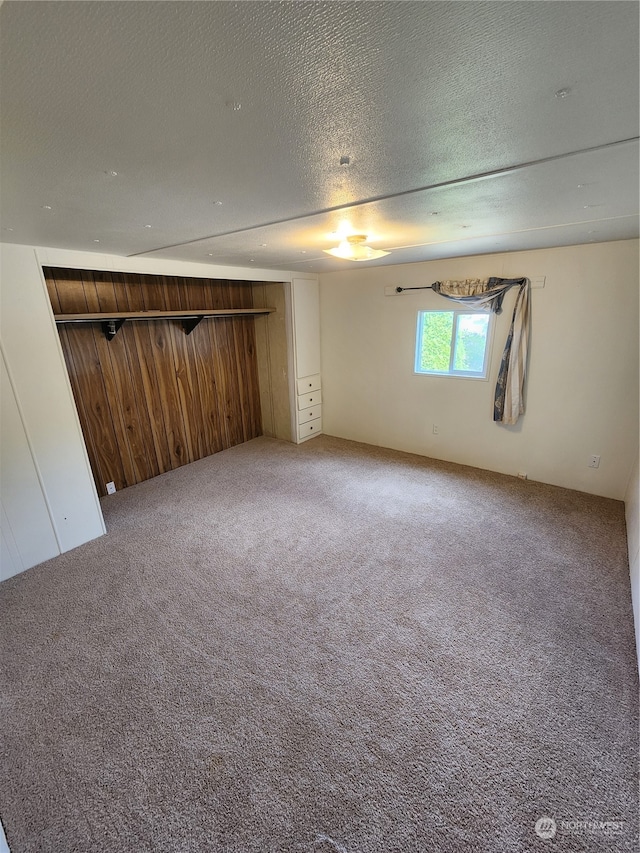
459	374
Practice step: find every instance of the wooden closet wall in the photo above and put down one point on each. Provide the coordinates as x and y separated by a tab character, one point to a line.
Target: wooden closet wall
154	398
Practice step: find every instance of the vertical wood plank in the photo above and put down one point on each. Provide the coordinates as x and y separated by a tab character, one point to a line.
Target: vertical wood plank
203	357
209	292
150	390
90	290
103	284
153	293
239	369
89	437
88	377
245	299
187	401
122	289
133	428
53	292
171	288
133	283
247	359
168	391
142	440
213	329
70	290
233	382
113	360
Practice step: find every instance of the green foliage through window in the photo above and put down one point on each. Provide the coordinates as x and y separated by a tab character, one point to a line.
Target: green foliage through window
452	343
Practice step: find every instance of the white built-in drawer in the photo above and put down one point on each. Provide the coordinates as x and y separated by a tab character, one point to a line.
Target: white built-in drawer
309	414
307	400
308	383
309	429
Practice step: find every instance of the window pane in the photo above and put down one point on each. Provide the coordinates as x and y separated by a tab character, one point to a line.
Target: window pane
471	342
435	353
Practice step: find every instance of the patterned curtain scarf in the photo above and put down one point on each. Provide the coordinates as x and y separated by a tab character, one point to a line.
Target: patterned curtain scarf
508	403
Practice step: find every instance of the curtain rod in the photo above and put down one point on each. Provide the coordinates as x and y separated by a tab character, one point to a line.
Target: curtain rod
431	286
424	287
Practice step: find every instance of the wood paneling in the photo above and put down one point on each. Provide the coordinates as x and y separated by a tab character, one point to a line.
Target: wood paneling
153	398
273	359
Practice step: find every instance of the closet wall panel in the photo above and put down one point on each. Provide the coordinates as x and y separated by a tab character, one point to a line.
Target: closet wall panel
153	398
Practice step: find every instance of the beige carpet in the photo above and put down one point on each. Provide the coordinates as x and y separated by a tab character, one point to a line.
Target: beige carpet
324	648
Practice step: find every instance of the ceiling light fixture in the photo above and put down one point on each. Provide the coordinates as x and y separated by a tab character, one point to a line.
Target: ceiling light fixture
352	248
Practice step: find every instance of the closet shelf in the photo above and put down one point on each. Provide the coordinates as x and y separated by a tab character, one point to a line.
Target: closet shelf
112	321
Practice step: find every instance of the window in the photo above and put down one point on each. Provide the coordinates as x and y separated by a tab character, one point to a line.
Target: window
453	343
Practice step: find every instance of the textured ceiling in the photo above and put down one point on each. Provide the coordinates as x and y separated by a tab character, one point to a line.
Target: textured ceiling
226	123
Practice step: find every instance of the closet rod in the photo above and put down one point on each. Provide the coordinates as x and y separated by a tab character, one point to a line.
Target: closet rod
113	321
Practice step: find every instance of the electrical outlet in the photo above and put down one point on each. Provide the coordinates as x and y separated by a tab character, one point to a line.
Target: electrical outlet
538	281
389	290
436	429
594	462
522	475
111	488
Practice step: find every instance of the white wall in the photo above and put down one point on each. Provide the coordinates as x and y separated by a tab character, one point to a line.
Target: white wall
49	501
582	390
632	512
28	535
